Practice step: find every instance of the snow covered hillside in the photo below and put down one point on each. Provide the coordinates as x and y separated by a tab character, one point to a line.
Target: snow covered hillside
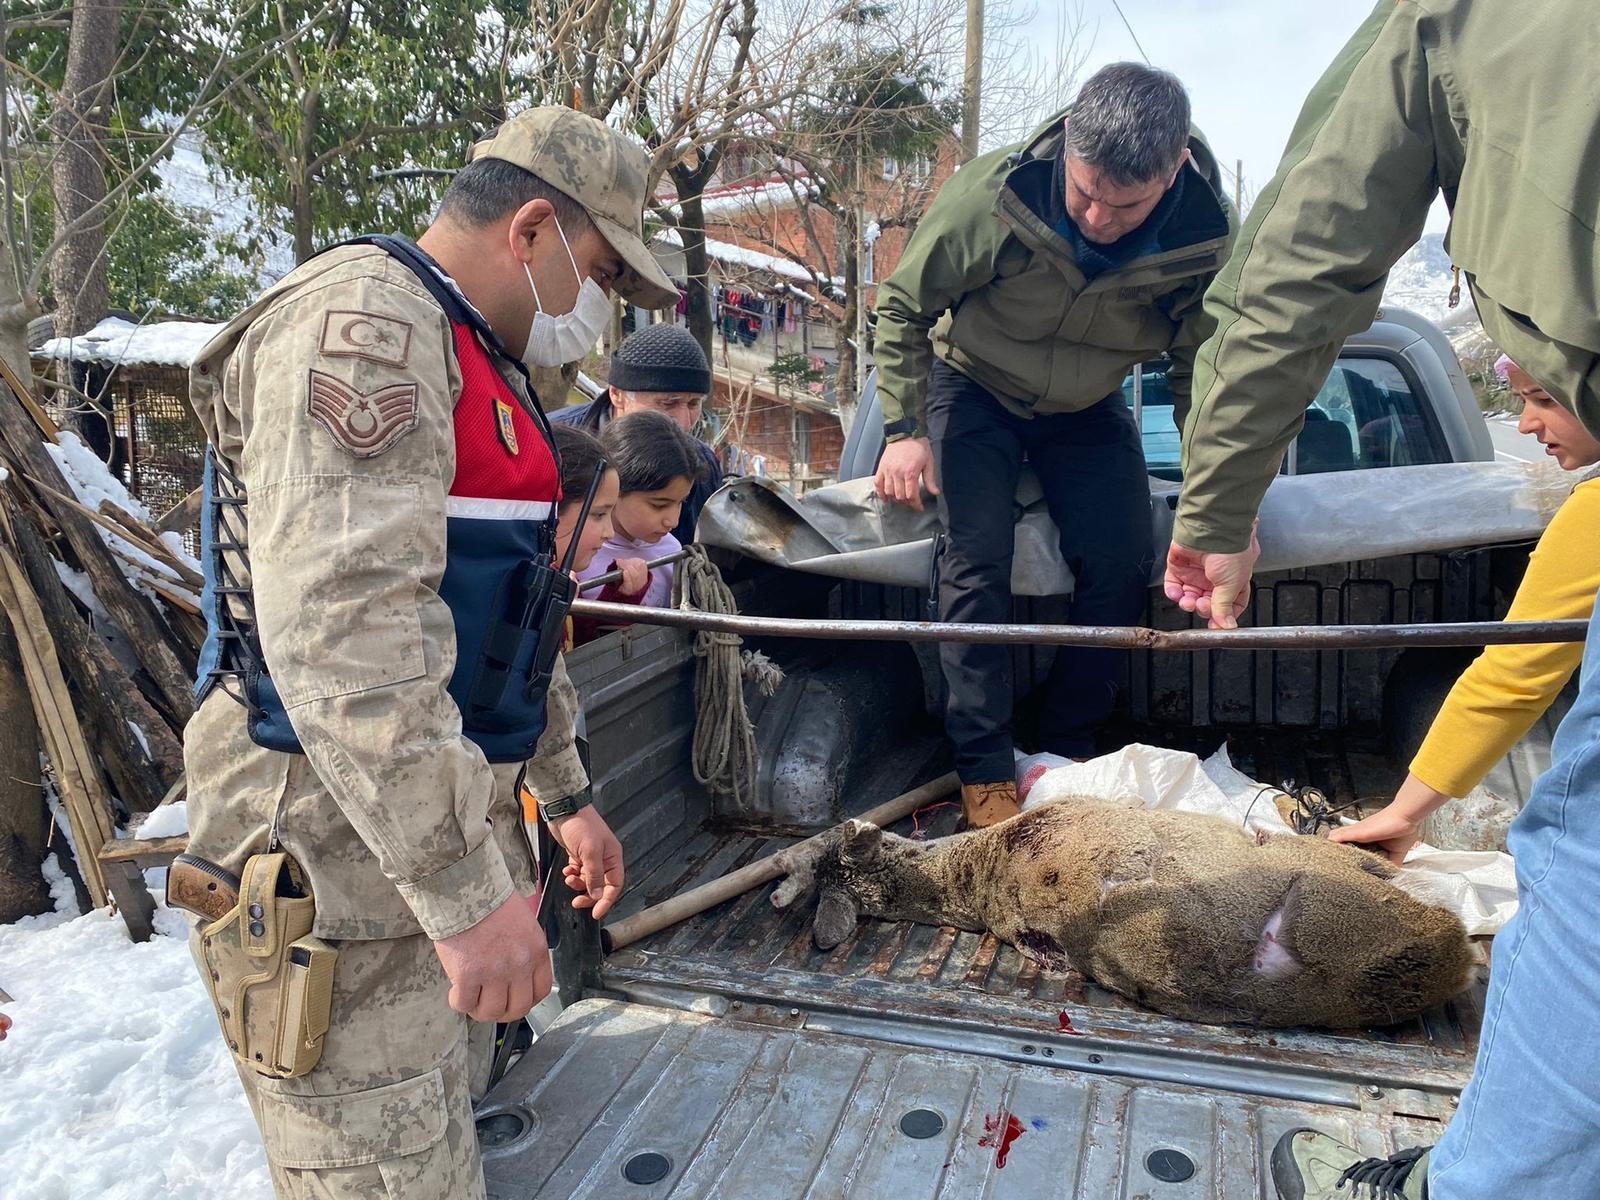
1421	281
187	180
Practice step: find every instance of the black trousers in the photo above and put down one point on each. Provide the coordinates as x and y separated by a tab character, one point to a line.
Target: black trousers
1091	467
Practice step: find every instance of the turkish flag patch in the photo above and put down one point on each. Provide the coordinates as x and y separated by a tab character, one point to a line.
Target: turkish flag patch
364	424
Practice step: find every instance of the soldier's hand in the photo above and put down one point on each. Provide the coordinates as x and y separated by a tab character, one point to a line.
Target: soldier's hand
635	575
500	968
594	866
905	467
1216	586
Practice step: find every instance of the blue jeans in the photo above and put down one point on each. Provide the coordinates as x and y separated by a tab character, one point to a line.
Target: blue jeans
1529	1122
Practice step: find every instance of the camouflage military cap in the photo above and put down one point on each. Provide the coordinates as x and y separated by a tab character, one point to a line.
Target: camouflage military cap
600	169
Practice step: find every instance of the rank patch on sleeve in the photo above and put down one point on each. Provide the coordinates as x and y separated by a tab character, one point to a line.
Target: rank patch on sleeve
350	334
364	424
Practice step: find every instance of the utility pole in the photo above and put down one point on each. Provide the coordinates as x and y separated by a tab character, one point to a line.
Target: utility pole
974	81
1238	187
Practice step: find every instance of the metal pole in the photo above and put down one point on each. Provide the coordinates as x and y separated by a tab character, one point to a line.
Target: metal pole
1268	637
973	85
616	576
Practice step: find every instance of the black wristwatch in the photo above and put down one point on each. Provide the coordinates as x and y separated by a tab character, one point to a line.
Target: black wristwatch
565	806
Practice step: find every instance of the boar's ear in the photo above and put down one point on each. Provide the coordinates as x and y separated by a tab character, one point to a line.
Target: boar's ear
862	844
835	919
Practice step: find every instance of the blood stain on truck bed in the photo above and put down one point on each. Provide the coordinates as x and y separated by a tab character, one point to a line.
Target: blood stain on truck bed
1000	1130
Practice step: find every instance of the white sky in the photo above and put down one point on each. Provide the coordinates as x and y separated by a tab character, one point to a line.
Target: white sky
1248	64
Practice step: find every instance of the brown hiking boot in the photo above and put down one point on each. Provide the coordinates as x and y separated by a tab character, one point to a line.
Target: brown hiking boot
985	804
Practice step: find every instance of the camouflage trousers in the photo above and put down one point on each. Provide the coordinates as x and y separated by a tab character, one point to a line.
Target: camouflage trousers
387	1112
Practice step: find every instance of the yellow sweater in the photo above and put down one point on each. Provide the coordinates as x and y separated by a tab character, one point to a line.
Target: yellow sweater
1507	688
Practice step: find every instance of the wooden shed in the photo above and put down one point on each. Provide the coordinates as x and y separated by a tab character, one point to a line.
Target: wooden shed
140	374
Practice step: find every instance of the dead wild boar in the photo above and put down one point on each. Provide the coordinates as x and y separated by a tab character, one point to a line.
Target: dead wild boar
1182	912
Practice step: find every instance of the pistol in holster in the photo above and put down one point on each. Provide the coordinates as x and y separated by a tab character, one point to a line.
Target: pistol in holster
270	980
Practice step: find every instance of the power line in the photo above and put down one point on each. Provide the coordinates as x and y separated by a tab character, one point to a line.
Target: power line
1129	27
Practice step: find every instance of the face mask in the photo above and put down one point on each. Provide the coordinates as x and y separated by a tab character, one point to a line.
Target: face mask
556	341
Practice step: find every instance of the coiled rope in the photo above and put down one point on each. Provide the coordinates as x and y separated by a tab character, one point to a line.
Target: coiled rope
724	754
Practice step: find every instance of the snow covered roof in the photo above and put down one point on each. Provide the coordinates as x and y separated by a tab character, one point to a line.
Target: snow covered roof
756	260
115	342
775	193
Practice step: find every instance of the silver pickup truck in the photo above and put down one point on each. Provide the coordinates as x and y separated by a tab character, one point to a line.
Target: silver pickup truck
728	1057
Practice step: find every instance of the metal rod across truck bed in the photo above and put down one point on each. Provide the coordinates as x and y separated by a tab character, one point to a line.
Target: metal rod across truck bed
1269	637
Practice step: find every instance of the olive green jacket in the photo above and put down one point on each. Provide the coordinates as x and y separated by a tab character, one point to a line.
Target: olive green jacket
1492	101
989	285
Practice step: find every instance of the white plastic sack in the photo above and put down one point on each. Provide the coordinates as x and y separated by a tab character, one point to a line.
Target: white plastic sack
1478	886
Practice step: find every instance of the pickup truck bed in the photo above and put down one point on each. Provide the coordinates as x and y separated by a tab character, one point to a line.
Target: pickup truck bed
761	1067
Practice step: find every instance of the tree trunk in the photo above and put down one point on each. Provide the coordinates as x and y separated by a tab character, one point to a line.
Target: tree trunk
80	125
24	819
702	324
844	381
690	185
300	206
17	307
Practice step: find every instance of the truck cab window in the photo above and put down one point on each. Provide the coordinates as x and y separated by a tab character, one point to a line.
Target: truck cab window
1367	415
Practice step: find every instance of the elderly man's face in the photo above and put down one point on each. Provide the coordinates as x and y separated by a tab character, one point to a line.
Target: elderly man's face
683	407
1105	211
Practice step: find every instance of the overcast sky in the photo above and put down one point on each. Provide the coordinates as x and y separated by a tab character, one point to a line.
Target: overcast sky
1248	64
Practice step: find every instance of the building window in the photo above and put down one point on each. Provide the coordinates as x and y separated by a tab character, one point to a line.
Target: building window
891	169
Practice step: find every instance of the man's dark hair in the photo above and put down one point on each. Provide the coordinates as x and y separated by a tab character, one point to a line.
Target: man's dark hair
488	189
649	451
581	456
1130	122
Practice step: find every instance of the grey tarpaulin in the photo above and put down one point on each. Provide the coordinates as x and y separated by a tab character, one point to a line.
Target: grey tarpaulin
846	532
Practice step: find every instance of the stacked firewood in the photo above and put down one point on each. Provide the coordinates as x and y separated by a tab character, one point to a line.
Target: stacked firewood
109	667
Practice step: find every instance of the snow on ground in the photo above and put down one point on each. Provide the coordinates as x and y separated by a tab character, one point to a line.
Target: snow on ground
167	821
114	1081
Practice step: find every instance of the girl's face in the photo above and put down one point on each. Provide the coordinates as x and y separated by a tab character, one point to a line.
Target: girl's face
1562	435
595	530
650	516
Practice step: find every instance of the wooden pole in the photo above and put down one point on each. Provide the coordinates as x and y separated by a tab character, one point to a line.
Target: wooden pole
25	397
1238	187
973	85
77	774
696	900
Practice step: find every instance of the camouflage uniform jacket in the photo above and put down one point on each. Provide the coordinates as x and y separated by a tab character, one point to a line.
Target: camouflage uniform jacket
332	398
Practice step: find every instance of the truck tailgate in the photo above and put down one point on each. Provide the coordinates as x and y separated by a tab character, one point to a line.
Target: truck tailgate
758	1102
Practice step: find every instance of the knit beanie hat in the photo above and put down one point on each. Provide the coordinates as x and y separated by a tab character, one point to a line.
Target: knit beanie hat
660	358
